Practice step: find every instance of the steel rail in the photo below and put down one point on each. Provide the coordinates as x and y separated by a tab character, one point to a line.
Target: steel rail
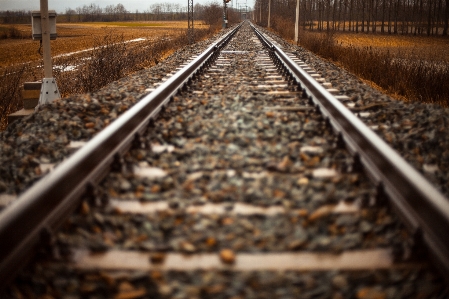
420	204
51	200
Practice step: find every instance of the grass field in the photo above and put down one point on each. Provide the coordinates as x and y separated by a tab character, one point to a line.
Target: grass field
411	68
79	54
407	67
422	47
78	36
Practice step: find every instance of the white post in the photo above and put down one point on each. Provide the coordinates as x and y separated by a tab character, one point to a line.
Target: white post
269	13
49	90
297	22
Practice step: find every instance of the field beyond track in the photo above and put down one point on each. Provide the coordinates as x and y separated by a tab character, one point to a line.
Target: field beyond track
423	47
74	37
407	67
86	56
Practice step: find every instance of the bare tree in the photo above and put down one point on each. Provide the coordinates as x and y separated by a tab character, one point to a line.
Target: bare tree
69	13
393	16
213	14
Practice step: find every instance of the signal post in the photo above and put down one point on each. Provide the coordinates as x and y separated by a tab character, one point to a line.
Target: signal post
225	13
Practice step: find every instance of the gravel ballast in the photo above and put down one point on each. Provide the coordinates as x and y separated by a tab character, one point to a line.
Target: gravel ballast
419	132
237	136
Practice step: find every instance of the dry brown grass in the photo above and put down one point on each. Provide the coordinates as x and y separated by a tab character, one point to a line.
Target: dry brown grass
78	36
89	70
428	48
407	67
10	81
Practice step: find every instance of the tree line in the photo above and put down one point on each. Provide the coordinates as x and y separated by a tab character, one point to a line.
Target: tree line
430	17
114	13
15	17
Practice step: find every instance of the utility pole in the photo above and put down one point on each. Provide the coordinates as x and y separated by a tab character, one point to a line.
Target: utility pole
190	32
269	13
298	2
49	90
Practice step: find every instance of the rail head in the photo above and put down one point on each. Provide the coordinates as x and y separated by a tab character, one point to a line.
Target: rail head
422	206
51	200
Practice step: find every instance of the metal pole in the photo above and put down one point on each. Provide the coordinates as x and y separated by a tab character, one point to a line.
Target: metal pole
45	23
49	89
297	22
225	20
269	13
190	31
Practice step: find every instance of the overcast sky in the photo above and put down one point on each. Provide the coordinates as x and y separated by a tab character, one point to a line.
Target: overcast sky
130	5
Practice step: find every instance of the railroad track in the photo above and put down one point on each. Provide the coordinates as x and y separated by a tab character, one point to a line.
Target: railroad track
231	180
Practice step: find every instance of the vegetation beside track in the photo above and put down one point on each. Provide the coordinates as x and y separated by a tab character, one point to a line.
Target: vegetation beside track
408	68
90	69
